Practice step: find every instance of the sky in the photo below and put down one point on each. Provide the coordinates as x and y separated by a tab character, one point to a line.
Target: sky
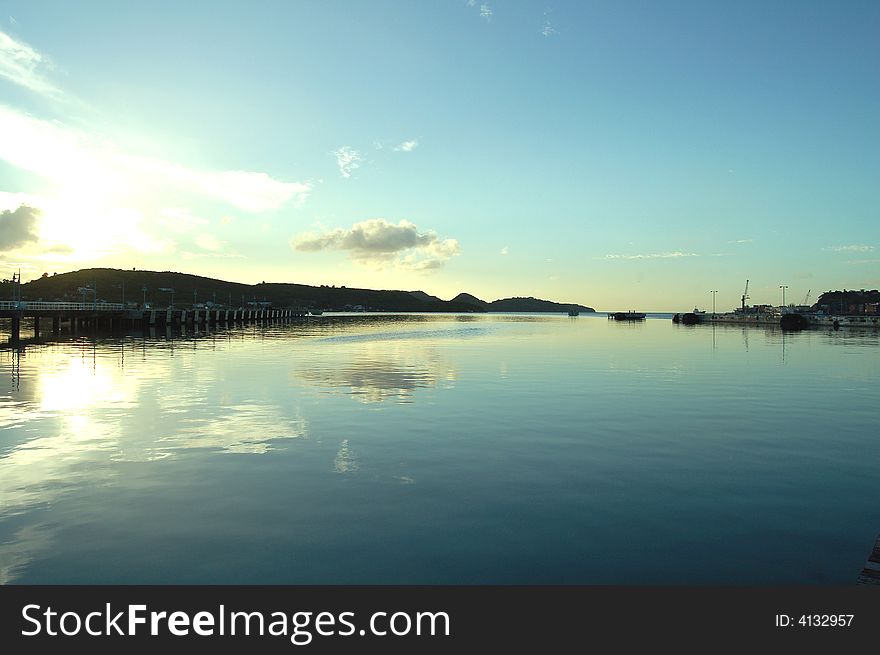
623	155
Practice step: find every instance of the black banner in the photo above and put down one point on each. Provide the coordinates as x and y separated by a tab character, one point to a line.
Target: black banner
278	619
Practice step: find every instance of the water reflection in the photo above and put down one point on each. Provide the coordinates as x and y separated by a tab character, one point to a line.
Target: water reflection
374	372
27	543
145	449
378	378
346	460
81	408
252	428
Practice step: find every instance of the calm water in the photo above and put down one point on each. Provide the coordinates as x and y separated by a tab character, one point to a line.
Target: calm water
442	449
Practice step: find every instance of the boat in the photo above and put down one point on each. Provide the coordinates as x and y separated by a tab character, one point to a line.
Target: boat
689	318
627	316
573	312
754	315
316	312
787	317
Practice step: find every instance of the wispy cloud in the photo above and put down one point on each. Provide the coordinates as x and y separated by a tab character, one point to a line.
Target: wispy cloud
851	248
548	30
179	220
12	20
504	250
741	241
407	146
484	9
347	159
654	255
378	242
24	66
105	201
209	242
75	158
860	262
188	254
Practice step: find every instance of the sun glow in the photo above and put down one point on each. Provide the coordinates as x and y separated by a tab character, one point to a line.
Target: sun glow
98	200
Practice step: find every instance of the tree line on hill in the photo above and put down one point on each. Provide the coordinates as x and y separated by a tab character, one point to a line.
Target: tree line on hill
160	289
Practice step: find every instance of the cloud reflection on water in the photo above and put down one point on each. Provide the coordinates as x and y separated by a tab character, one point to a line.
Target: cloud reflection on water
373	372
76	416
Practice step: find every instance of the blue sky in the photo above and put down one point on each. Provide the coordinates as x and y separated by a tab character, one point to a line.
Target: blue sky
619	154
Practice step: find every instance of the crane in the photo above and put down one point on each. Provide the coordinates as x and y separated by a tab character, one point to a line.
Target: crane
807	297
745	295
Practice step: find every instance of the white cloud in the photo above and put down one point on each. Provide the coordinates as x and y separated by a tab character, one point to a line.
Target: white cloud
486	11
179	220
209	242
656	255
347	159
741	241
430	257
79	160
372	236
504	250
407	146
22	65
851	248
18	227
548	30
105	202
377	242
188	254
13	200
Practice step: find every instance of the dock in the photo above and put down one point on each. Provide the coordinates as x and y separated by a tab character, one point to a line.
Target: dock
113	316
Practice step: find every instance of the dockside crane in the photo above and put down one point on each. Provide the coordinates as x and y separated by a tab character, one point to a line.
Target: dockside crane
745	296
807	298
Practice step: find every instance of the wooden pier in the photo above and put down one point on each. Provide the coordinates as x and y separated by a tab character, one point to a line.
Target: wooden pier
114	316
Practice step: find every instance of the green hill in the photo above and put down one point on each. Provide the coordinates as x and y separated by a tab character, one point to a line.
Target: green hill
134	286
848	301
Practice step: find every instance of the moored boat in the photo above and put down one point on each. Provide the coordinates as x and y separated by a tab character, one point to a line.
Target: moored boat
627	316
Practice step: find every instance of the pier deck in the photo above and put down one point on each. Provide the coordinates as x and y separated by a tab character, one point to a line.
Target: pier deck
116	315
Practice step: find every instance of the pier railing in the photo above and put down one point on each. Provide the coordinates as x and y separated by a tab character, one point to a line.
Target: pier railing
27	305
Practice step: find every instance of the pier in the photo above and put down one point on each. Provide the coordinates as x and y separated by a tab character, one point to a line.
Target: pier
115	316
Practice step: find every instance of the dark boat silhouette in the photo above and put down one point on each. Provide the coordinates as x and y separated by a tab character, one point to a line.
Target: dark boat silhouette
627	316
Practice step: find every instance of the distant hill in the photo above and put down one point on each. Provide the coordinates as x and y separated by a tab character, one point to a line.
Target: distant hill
848	301
421	295
520	304
134	286
534	305
470	300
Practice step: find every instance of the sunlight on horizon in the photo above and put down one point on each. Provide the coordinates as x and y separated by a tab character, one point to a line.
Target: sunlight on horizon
644	182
